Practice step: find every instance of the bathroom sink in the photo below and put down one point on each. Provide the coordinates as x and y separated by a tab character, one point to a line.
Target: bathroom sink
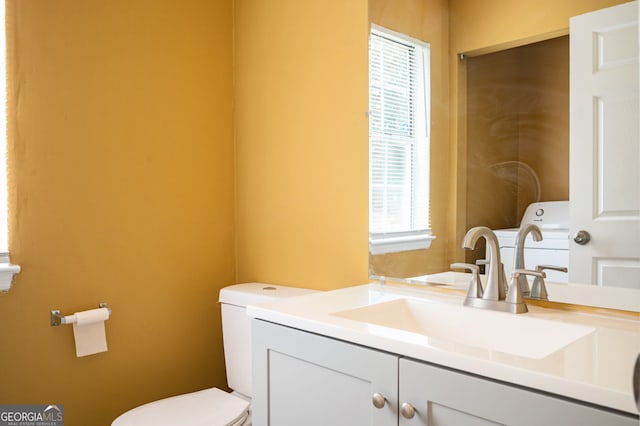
492	331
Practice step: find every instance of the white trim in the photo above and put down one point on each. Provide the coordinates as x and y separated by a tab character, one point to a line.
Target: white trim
398	159
400	37
4	234
7	271
394	242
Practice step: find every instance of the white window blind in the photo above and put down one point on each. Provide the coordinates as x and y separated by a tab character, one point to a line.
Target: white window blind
398	142
4	245
7	270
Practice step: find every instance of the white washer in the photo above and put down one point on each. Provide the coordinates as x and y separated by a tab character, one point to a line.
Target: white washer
552	217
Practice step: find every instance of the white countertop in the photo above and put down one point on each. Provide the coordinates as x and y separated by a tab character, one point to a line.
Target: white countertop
597	368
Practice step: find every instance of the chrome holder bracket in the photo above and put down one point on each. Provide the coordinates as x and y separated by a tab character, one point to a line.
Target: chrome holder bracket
58	319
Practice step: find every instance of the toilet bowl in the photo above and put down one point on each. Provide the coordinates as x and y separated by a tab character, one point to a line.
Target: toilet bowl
214	407
206	407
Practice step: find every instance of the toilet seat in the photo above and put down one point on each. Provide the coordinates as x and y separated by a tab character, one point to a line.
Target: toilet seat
208	407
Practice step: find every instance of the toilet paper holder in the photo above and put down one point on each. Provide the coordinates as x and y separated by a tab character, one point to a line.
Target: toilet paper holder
58	319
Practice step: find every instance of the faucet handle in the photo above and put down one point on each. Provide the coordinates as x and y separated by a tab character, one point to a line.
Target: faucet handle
475	285
540	268
515	294
538	288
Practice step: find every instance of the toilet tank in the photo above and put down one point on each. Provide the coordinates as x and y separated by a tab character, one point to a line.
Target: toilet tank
236	327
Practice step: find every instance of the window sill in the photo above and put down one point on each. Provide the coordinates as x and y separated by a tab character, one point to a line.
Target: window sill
7	271
394	242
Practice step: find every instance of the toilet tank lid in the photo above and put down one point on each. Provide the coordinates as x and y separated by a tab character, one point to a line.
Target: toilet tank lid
252	293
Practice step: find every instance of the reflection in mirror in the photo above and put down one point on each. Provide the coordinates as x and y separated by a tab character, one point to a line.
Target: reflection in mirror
500	120
426	21
518	133
398	142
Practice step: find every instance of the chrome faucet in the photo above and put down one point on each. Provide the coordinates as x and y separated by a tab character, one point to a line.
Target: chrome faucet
529	228
495	295
496	282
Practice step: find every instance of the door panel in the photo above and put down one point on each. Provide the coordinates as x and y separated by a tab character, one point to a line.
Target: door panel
605	147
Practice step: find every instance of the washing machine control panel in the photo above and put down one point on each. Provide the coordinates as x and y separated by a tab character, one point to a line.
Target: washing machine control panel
548	214
552	217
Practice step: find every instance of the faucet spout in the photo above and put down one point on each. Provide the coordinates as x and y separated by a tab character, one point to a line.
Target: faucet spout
496	285
529	228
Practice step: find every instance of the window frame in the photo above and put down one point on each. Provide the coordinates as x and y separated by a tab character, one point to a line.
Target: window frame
415	237
7	269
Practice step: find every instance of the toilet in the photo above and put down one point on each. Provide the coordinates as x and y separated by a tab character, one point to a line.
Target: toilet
214	407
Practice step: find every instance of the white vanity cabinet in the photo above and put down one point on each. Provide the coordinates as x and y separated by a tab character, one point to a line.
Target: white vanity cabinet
446	397
303	379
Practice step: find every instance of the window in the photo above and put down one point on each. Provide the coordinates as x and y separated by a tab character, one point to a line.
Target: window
7	270
398	143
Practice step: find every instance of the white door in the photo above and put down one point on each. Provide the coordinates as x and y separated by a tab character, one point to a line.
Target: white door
605	147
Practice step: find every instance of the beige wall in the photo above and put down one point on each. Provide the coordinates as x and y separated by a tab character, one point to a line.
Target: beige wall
301	142
121	161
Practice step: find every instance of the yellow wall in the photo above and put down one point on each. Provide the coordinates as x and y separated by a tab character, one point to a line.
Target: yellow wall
478	26
121	191
301	141
122	180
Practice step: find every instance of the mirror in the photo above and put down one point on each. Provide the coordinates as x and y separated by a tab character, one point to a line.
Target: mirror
512	54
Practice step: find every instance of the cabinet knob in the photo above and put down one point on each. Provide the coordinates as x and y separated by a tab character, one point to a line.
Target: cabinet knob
378	400
407	410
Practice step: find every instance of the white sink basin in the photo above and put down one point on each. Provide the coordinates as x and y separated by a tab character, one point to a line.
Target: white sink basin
493	331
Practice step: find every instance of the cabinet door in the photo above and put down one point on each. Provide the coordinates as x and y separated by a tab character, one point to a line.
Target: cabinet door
444	397
301	379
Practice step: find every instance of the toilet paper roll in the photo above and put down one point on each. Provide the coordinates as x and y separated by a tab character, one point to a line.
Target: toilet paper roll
88	331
